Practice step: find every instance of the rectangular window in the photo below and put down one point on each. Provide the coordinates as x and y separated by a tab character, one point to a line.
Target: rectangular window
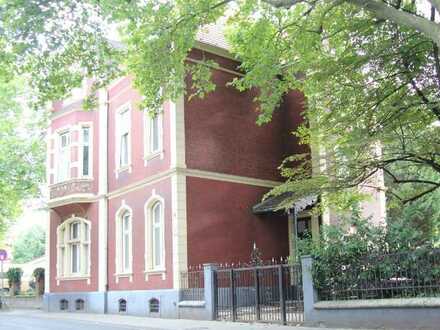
61	262
124	138
152	135
74	230
157	235
126	242
85	151
63	170
155	134
75	253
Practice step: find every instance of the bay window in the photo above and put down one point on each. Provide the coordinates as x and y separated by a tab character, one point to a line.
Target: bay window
86	163
63	157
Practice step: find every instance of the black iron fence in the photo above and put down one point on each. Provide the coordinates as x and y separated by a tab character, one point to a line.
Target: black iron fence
270	293
399	275
192	284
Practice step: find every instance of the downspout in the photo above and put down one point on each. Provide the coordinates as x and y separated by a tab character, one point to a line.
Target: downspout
102	193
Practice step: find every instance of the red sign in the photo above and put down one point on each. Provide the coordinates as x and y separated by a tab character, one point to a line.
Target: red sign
3	255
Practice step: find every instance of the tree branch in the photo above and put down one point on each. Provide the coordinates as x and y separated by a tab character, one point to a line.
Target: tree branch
430	190
435	50
423	25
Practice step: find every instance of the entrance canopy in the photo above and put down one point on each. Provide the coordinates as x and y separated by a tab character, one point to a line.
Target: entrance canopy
285	201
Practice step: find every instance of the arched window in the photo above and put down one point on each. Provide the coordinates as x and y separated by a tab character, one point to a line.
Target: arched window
154	305
73	248
124	241
122	305
64	305
79	304
155	245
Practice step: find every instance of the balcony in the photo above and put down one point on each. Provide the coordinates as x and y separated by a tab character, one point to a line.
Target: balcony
71	191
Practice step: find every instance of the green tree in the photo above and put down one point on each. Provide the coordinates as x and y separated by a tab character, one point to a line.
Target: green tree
30	245
21	150
370	71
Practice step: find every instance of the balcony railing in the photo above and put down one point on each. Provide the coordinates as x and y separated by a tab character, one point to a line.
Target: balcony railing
70	187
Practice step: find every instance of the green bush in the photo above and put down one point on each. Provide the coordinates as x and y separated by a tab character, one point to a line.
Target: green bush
355	257
14	279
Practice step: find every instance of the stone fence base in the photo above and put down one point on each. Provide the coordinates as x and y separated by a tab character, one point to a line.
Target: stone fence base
22	302
402	314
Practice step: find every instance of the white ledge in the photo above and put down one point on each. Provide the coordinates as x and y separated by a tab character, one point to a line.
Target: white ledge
379	303
73	278
192	303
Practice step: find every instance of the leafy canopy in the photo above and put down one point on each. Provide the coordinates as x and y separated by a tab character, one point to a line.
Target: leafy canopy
21	150
370	71
30	245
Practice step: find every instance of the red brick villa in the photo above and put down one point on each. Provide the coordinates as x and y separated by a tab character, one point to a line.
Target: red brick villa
135	201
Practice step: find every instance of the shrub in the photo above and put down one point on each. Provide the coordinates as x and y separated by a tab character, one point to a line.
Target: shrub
355	253
14	278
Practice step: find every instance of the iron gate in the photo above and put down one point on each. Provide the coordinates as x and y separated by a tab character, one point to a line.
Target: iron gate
260	294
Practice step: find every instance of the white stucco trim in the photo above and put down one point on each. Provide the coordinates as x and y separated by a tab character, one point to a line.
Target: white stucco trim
71	199
178	189
177	131
179	226
231	178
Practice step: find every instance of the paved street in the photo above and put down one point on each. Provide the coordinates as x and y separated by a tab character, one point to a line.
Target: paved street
37	320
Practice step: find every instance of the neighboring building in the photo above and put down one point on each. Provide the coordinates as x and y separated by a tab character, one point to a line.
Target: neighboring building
135	200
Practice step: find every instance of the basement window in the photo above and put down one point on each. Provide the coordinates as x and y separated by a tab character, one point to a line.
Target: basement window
64	305
154	305
79	305
122	305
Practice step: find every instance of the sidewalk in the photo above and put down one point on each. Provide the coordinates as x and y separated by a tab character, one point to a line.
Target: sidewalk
156	323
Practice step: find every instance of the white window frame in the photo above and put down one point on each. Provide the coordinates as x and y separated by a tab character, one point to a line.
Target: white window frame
121	271
65	243
150	266
68	148
122	167
149	152
81	150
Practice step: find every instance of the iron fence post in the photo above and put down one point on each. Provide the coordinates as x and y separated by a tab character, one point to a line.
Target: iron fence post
232	296
282	296
257	295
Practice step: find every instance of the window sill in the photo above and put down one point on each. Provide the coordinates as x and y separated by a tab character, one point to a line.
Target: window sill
128	275
73	278
149	157
159	271
123	169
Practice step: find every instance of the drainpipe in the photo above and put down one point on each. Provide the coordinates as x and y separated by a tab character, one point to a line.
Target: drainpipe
102	195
